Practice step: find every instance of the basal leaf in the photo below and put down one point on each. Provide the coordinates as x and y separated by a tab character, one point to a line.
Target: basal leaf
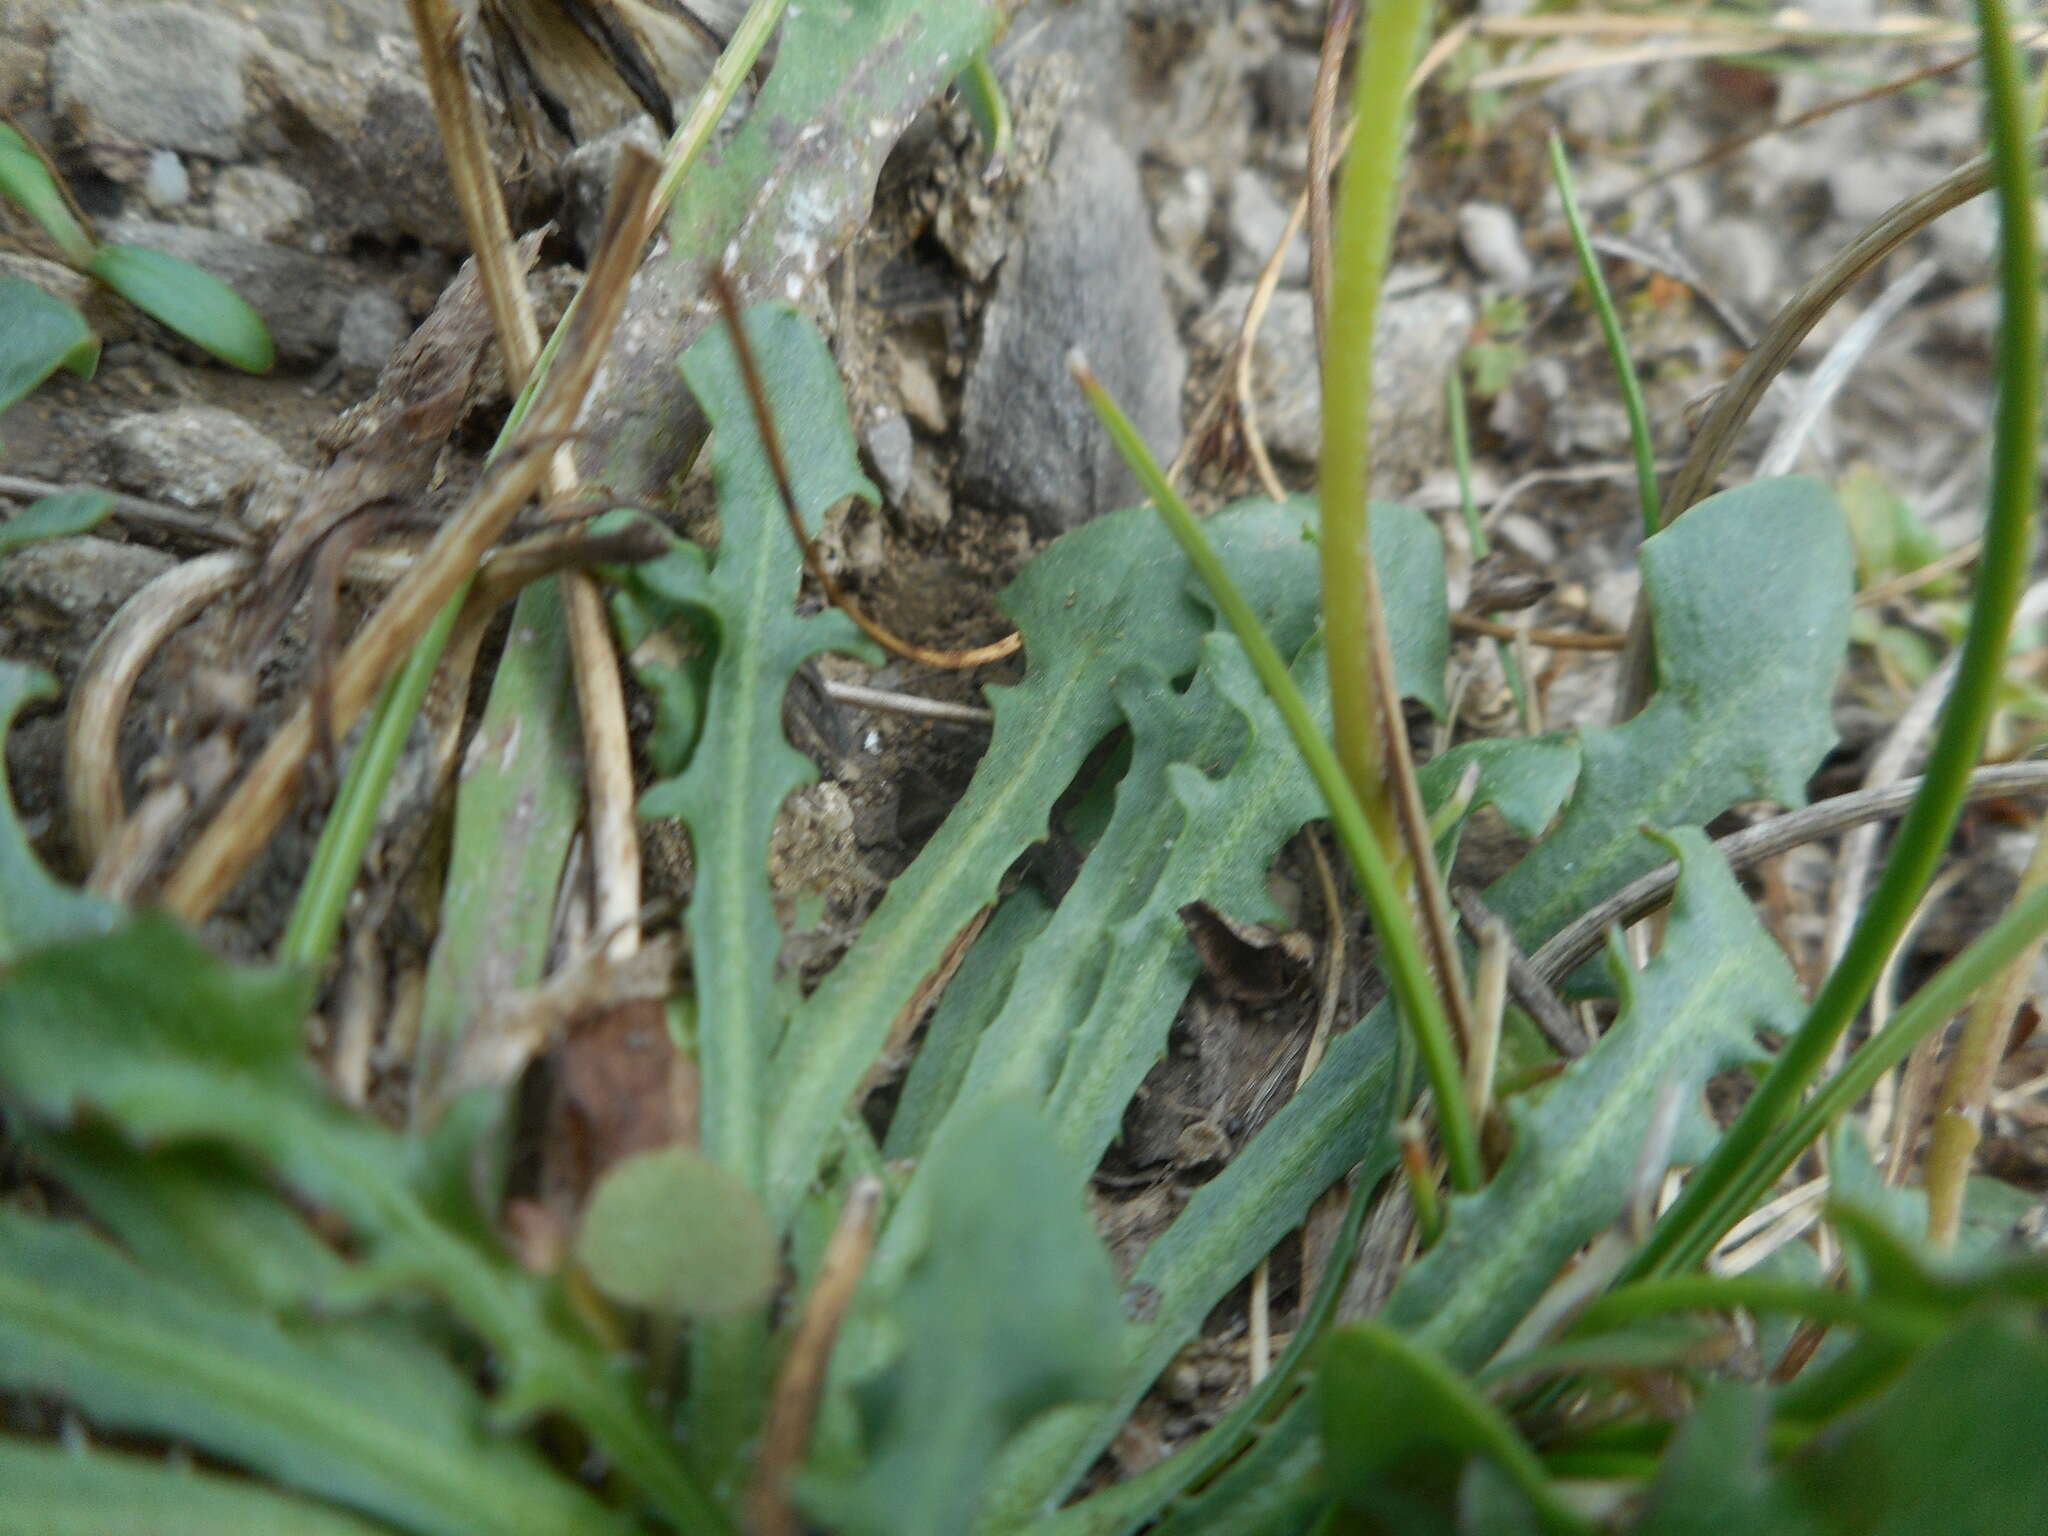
973	997
26	179
190	300
743	767
1749	598
34	909
1780	544
155	1036
1009	1311
1715	1477
1109	599
371	1418
196	1215
55	1490
54	517
1695	1010
39	335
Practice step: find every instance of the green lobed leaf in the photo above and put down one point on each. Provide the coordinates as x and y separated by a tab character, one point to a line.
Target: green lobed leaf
39	335
34	909
190	300
1009	1311
27	181
743	767
1106	601
1693	1011
55	517
973	997
672	1232
1783	541
1749	597
370	1417
57	1490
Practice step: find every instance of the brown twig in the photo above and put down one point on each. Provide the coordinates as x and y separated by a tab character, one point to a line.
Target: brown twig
1322	120
1526	985
801	1381
1580	939
1555	639
607	746
771	448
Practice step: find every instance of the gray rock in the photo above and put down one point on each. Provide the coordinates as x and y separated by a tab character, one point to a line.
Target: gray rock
1257	221
589	170
300	297
1286	88
195	456
253	202
1084	275
886	442
373	326
1492	239
80	581
1420	338
358	133
162	76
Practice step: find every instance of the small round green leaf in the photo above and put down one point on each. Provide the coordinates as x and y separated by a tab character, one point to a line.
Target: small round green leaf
190	300
39	335
672	1232
27	180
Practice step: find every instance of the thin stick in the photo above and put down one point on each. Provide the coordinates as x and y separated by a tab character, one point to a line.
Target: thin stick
1579	940
1526	985
138	513
801	1382
771	448
909	704
1555	639
1322	118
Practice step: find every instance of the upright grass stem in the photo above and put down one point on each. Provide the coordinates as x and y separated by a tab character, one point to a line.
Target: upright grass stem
1712	1199
1414	986
1617	344
1367	202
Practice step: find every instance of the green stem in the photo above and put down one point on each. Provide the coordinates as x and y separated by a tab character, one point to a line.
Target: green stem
1706	1208
316	916
338	858
1367	203
1401	948
1617	344
1757	1293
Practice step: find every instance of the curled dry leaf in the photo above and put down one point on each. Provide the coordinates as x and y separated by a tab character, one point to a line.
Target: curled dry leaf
1248	962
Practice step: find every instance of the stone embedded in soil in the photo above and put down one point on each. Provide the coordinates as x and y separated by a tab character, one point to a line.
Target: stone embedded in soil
1421	336
79	581
1083	274
300	297
196	456
154	76
886	444
373	326
1258	218
1492	238
253	202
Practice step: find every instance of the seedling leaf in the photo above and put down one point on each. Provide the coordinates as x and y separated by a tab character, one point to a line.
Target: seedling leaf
190	300
39	335
672	1232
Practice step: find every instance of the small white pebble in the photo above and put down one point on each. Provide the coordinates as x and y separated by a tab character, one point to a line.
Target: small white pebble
166	184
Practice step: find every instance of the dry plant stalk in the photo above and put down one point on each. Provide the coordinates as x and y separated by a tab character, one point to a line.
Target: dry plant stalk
252	813
801	1383
607	748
